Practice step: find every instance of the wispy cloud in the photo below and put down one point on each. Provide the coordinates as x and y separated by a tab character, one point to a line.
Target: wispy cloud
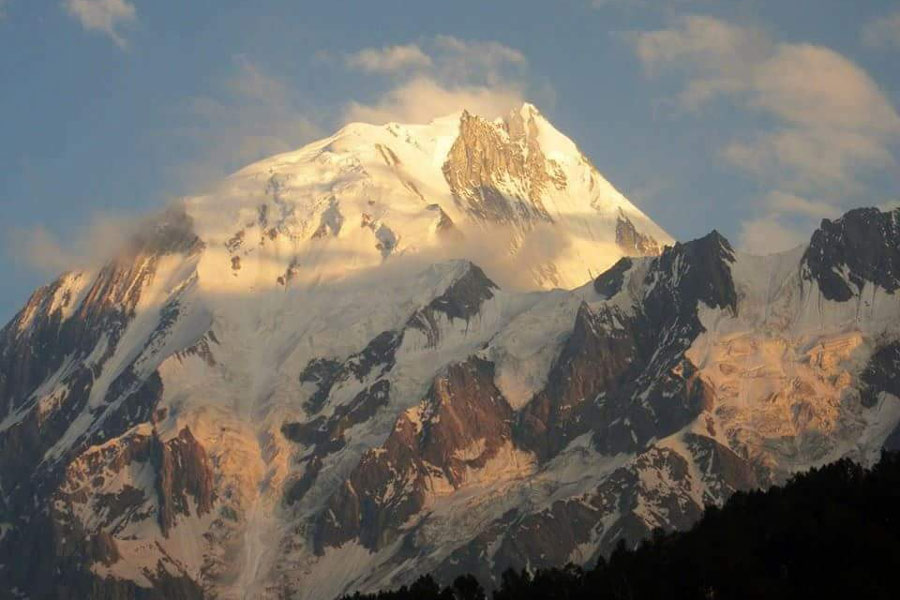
781	202
423	98
831	117
714	56
829	123
102	238
253	115
256	113
655	5
389	59
486	62
782	222
883	32
103	16
439	76
768	234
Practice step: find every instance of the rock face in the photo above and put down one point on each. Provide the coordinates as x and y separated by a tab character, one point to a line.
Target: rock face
643	387
862	246
349	409
633	242
461	425
182	473
69	420
483	158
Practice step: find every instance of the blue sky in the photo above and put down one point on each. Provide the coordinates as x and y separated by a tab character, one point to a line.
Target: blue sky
757	117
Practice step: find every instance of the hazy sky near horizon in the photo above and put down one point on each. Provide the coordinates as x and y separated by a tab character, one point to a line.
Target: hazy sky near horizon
757	118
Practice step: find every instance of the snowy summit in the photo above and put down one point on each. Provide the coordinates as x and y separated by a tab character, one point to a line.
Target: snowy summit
513	194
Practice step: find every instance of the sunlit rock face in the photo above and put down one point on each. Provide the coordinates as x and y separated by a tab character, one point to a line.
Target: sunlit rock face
633	242
346	366
486	160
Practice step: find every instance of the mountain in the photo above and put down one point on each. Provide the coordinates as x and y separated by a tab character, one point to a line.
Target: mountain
514	193
352	364
829	532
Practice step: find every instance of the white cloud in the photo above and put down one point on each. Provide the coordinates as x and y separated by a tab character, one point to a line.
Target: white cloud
104	16
835	120
389	59
422	99
831	119
883	32
716	57
488	62
769	234
256	114
485	77
785	222
827	124
103	237
651	7
810	159
813	86
779	202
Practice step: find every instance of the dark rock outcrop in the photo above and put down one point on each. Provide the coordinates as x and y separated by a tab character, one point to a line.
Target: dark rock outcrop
881	374
633	242
462	300
623	375
326	435
182	470
724	472
609	283
375	360
861	246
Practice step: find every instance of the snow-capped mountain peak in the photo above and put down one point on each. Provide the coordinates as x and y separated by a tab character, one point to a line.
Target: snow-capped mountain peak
339	370
513	193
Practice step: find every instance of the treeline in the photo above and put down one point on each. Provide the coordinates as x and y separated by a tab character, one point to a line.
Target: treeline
833	532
